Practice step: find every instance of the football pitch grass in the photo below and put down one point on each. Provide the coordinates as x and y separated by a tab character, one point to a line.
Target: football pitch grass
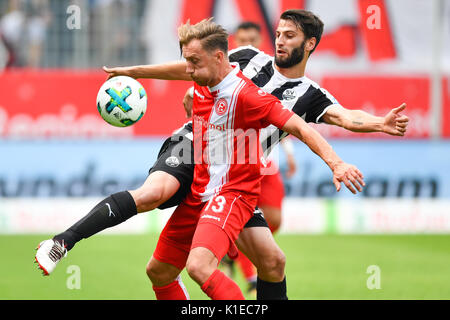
317	267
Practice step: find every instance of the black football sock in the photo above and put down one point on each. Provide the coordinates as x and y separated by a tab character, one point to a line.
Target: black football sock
111	211
271	290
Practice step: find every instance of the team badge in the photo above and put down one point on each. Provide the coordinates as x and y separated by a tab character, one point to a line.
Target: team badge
289	94
221	106
262	92
173	161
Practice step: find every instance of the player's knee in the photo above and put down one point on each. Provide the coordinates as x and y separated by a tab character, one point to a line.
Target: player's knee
272	267
158	275
148	197
198	269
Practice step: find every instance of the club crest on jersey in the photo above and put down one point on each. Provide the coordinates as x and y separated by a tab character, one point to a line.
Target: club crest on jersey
221	106
173	161
262	92
289	94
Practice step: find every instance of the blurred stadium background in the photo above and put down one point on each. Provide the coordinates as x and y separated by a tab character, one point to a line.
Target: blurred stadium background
58	157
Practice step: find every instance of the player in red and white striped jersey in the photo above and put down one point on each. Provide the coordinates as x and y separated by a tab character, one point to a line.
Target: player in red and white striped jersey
228	112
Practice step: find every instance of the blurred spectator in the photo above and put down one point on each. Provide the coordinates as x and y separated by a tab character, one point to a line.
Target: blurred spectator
115	29
33	33
38	18
248	33
23	31
11	30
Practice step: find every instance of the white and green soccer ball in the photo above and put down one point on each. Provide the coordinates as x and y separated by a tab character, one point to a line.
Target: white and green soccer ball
121	101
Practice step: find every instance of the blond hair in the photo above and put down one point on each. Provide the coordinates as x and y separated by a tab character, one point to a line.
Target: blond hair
212	35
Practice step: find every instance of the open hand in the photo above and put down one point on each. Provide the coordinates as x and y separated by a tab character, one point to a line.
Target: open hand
349	175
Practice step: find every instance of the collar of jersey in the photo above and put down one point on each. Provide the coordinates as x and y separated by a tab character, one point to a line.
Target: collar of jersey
228	78
275	70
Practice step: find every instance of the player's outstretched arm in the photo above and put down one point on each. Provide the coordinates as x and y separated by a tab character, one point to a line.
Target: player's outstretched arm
392	123
342	172
175	70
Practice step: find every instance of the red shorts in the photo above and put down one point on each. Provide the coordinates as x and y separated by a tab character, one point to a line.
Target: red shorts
214	225
272	191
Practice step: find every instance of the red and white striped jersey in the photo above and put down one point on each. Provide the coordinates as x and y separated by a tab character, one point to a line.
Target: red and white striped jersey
226	123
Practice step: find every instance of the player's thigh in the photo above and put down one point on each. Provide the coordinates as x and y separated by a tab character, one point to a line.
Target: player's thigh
221	220
176	160
159	187
174	243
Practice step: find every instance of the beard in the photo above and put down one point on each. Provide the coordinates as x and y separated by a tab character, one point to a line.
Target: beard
294	58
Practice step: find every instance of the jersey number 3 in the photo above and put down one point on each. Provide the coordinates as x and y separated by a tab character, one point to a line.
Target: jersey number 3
220	202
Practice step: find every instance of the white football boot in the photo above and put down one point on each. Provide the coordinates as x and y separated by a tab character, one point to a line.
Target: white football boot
48	254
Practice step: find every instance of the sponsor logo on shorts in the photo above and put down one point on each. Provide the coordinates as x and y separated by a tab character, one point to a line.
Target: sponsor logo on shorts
173	161
207	216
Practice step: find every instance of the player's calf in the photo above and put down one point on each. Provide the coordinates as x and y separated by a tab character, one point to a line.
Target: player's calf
110	212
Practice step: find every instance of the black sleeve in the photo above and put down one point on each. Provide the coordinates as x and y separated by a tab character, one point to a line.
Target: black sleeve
311	106
242	55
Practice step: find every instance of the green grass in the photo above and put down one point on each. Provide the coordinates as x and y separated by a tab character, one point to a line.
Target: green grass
318	267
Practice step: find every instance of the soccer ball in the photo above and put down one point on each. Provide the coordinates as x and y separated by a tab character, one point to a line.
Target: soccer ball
121	101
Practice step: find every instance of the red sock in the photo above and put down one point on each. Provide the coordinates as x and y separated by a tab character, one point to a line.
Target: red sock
172	291
220	287
247	267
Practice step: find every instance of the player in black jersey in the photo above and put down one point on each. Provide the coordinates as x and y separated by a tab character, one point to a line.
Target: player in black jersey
297	36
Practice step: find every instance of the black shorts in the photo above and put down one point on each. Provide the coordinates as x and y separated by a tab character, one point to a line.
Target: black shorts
257	220
176	157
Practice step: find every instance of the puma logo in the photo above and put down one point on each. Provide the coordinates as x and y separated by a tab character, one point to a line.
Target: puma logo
111	213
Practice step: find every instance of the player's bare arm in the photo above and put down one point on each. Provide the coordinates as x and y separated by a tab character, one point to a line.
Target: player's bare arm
393	123
175	70
342	172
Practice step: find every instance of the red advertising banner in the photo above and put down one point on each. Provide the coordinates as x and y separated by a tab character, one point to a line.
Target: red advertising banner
446	108
61	104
